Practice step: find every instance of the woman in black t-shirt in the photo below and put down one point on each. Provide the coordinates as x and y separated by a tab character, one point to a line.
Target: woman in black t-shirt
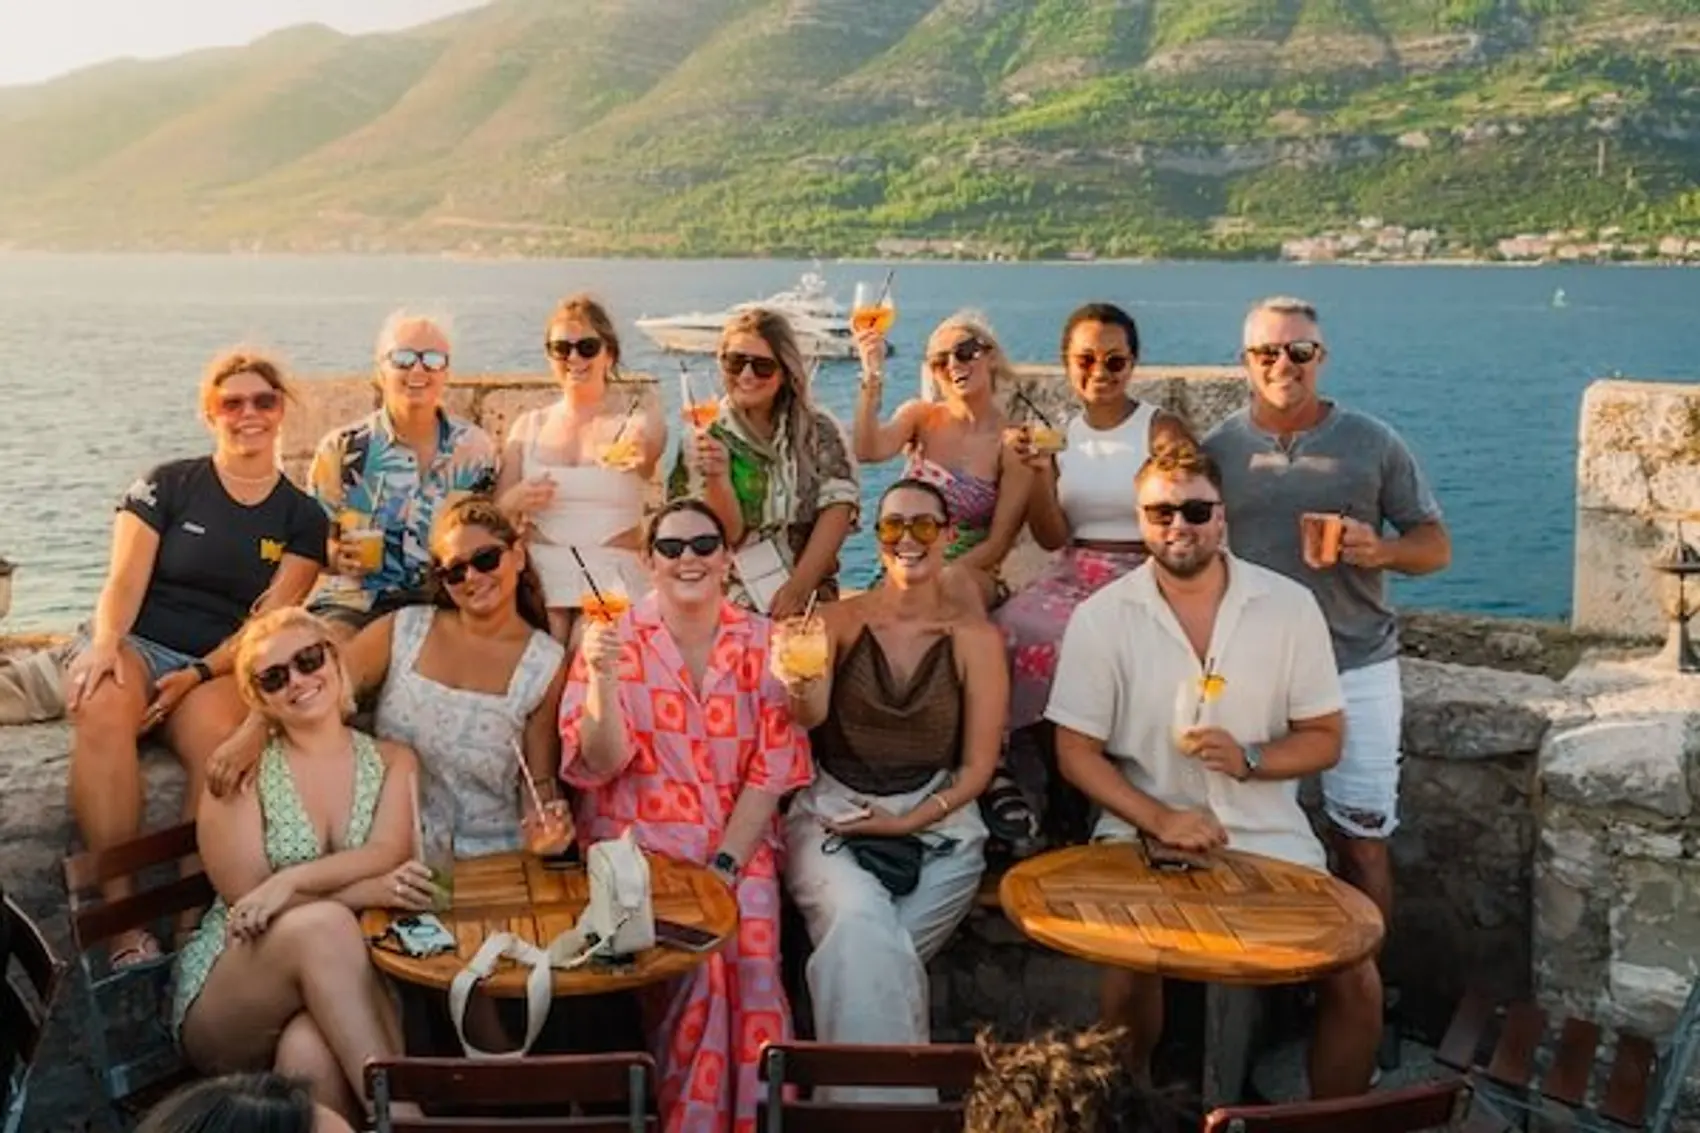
197	545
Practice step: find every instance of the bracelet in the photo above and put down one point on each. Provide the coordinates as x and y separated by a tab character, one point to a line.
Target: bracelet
869	381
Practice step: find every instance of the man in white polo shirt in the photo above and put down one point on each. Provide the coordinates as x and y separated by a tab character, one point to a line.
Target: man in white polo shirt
1131	682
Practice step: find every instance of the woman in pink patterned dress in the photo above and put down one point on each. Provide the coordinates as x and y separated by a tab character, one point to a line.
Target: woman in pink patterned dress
673	727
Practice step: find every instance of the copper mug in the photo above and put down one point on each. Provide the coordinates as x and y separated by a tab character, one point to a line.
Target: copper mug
1319	534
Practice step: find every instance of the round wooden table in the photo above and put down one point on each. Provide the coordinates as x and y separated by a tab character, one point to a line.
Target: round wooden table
515	893
1247	920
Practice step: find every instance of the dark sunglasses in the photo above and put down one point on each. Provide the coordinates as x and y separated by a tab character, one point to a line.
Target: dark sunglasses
964	352
233	404
732	364
484	560
924	528
562	349
1302	352
1195	512
701	546
307	661
431	361
1112	363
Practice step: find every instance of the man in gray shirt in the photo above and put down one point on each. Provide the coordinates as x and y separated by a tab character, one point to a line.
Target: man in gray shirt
1292	454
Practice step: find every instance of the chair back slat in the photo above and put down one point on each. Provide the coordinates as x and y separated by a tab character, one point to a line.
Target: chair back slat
93	867
1434	1105
944	1066
1463	1036
829	1117
1519	1039
1572	1066
99	922
1627	1084
561	1081
1675	1061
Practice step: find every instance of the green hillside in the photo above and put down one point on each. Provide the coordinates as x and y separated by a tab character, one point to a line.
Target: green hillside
818	127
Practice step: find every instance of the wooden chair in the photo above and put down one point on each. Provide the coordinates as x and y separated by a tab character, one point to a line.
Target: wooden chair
1435	1105
22	1017
135	1055
950	1069
1639	1090
468	1096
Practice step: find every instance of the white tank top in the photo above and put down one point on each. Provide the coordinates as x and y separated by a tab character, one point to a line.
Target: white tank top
1095	476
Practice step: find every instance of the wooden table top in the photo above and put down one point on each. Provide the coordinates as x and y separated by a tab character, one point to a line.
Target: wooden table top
1248	919
515	893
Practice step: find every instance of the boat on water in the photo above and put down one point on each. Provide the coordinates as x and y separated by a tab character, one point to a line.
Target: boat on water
821	322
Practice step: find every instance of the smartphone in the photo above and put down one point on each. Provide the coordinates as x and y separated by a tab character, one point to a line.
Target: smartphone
687	938
422	934
1172	859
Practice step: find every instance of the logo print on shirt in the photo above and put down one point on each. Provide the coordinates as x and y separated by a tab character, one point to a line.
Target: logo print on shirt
143	492
271	550
193	528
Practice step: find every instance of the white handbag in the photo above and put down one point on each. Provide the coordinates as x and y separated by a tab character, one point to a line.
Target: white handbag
618	921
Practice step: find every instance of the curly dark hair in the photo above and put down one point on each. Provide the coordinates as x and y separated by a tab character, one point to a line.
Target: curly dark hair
1060	1083
481	511
237	1103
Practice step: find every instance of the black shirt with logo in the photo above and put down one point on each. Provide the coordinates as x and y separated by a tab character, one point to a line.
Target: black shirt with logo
216	556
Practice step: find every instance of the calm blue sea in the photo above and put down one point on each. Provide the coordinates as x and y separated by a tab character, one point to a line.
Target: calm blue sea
99	358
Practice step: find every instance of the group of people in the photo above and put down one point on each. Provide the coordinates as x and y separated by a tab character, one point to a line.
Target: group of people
461	592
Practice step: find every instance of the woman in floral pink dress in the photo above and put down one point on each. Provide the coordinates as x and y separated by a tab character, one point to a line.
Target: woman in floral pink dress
672	726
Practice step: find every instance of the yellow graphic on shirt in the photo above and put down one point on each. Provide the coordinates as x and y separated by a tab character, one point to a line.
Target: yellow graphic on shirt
271	550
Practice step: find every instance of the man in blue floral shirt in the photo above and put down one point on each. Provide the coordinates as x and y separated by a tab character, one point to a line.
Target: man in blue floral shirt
389	474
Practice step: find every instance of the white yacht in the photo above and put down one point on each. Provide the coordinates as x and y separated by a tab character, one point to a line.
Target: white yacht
821	323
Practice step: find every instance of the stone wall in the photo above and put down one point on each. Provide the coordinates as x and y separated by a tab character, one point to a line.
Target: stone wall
1637	474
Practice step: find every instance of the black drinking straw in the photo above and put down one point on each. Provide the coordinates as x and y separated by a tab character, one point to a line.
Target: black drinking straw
579	559
624	421
885	288
1203	691
1037	412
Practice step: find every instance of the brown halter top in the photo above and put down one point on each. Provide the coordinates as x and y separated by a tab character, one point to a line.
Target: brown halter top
880	739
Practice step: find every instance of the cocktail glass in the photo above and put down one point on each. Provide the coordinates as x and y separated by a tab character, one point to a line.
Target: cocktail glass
801	648
605	607
548	832
873	308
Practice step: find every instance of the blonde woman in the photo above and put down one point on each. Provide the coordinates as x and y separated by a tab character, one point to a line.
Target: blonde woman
775	468
278	976
954	440
196	545
577	473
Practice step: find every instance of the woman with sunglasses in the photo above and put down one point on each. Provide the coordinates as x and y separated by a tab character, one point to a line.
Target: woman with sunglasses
906	731
1082	504
465	683
672	727
278	975
197	544
775	468
954	439
577	473
385	477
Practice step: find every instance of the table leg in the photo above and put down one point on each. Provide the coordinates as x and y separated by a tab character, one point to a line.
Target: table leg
1231	1018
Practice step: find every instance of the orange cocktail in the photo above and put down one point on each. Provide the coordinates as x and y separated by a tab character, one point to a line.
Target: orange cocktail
548	833
801	648
702	414
605	607
622	454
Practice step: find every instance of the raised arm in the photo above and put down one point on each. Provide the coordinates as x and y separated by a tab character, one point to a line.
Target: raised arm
595	746
874	441
1045	516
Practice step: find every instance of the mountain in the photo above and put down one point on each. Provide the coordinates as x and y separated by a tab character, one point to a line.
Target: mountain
1034	127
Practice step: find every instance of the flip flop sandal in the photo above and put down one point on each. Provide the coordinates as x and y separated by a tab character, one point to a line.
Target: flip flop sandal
144	951
1009	817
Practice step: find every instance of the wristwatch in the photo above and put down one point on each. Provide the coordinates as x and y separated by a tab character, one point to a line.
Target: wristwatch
1253	760
202	670
726	865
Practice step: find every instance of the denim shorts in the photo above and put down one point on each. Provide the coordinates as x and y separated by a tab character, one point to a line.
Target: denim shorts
157	659
1360	793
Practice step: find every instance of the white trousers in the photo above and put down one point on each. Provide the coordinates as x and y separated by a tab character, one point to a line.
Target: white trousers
867	975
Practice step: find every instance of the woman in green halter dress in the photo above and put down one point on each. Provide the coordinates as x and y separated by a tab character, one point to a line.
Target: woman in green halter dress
278	976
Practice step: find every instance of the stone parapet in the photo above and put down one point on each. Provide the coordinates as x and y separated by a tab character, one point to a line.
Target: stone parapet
1637	474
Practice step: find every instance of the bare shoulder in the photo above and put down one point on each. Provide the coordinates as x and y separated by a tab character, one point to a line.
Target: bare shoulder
396	756
979	638
845	616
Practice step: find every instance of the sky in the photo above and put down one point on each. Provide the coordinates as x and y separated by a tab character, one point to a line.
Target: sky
43	38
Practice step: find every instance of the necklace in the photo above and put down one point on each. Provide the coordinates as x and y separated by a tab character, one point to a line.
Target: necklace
229	475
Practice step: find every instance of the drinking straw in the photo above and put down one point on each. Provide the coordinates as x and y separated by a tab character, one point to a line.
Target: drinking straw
418	819
578	558
624	421
809	606
1198	707
885	288
525	774
685	384
1037	412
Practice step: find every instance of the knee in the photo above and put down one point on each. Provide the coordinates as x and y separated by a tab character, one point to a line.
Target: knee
104	717
302	1051
852	926
331	930
1356	849
1355	990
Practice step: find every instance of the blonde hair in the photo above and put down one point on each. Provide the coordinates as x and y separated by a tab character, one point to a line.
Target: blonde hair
588	309
259	630
794	402
1059	1084
976	324
240	361
401	317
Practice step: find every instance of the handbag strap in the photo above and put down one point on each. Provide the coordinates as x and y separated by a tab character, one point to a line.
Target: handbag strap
539	986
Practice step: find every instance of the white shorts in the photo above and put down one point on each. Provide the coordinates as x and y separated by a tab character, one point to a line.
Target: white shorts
1360	794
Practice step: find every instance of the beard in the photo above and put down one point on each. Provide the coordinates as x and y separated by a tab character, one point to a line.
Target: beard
1186	561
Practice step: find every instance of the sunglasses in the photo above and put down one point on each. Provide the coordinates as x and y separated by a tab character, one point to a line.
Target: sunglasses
1195	512
307	661
431	361
235	404
1112	363
1301	353
485	560
562	349
732	364
964	352
701	546
925	529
